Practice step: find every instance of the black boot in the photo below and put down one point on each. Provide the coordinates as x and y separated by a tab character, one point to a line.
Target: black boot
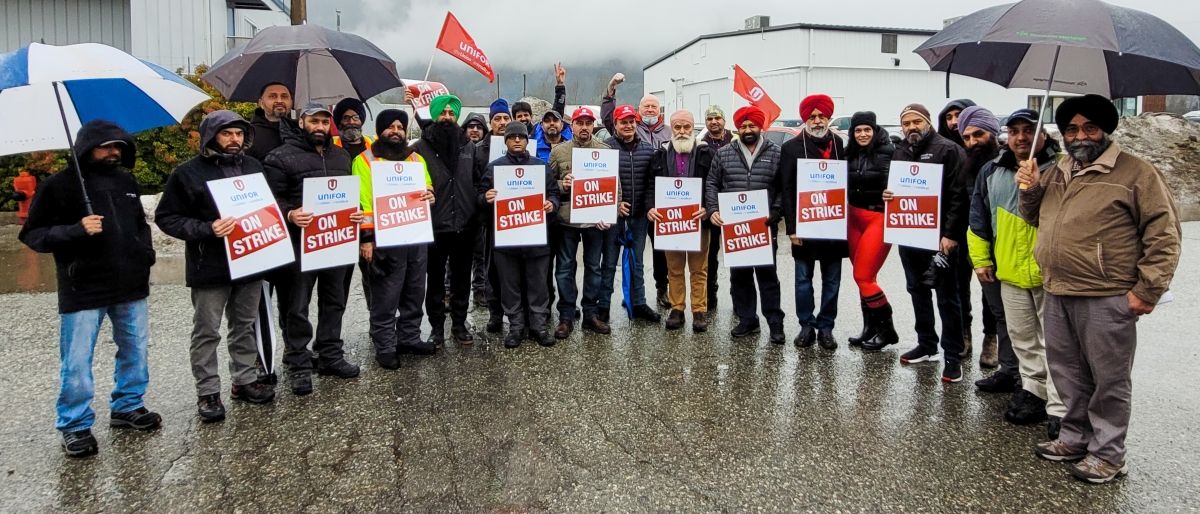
885	333
868	330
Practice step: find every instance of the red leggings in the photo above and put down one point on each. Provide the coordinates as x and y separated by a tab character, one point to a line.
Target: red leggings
867	253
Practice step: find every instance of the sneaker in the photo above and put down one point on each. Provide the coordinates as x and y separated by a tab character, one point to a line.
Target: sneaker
597	325
495	324
420	348
339	368
699	322
1094	470
646	313
674	320
512	340
998	383
564	329
462	334
825	339
80	443
210	409
915	355
301	383
137	419
805	338
777	336
952	373
1025	408
388	360
1058	451
252	392
745	328
544	339
1053	427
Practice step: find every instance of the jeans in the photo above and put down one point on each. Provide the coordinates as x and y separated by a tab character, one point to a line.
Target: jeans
77	344
596	265
831	281
915	262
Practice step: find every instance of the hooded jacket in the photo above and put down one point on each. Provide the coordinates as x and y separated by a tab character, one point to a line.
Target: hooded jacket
287	167
730	173
943	128
868	169
479	118
266	135
487	183
543	147
186	210
108	268
955	202
804	146
455	209
999	237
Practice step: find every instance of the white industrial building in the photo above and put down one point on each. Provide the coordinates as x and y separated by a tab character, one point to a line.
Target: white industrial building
862	68
175	34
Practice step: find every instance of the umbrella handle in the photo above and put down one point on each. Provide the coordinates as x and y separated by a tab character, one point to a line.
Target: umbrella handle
87	201
1037	132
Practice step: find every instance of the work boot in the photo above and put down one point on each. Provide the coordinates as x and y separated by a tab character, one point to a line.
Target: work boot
777	336
989	354
664	301
388	360
80	443
495	324
745	327
603	315
209	408
137	419
674	320
597	325
513	339
699	321
998	383
805	338
252	393
420	348
868	330
544	339
564	329
646	313
966	351
825	339
339	368
301	383
1025	408
437	335
885	333
462	334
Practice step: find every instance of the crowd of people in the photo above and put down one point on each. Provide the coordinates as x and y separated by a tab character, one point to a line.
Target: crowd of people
1071	243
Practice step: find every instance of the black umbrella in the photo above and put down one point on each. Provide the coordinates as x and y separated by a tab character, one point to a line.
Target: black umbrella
317	64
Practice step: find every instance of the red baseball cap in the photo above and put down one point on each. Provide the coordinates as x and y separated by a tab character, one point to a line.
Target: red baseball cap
583	112
625	111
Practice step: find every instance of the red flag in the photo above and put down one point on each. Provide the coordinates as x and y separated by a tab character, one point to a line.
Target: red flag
455	41
745	86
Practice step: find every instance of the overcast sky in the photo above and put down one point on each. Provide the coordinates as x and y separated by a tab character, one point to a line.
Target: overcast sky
516	32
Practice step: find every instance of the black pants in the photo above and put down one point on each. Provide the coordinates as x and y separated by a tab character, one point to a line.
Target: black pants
479	264
1008	359
454	249
397	277
330	285
966	273
714	249
519	272
745	298
915	262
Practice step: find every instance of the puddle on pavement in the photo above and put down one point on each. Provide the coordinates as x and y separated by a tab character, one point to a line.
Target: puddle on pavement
25	271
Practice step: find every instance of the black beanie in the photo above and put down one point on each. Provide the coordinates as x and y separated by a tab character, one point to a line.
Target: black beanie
387	117
348	104
1096	108
863	118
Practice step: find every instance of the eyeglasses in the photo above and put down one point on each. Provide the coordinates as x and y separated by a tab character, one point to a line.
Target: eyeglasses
1089	129
352	118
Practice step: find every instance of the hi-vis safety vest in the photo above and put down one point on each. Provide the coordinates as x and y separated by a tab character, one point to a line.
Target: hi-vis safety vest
362	170
337	141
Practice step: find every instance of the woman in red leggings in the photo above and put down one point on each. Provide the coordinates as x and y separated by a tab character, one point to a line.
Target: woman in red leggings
869	155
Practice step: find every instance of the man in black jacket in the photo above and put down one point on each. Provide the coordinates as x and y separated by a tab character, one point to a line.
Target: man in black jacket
922	144
274	105
187	211
636	182
103	259
309	152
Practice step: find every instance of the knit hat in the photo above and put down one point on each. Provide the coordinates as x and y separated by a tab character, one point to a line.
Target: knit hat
388	116
498	107
714	111
516	129
752	113
818	102
439	104
917	109
682	115
522	107
1095	108
863	118
348	104
978	117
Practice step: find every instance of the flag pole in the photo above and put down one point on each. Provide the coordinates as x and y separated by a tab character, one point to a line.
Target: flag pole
430	68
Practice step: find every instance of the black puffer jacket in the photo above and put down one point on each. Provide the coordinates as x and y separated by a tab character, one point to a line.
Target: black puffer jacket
266	135
455	209
288	166
730	173
956	200
868	167
186	210
108	268
637	179
487	183
804	146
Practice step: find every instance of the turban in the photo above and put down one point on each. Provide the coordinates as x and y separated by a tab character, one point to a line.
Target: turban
1095	108
752	113
978	117
439	104
811	103
389	116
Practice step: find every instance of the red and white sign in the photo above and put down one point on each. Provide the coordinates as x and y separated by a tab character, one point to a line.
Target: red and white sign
331	239
260	240
678	199
746	235
520	215
401	216
423	93
913	216
455	41
820	199
594	188
746	87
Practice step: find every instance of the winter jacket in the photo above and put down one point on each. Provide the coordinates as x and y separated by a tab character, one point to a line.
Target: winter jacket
108	268
999	237
804	146
455	209
487	183
654	135
635	176
543	148
560	166
699	166
1111	228
266	135
943	128
868	168
956	202
186	210
730	173
717	143
287	167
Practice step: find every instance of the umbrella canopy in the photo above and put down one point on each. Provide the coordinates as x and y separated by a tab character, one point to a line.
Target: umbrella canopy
1090	46
93	82
317	65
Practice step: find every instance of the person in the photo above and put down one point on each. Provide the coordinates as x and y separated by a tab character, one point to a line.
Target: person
348	115
599	264
1001	246
498	119
980	131
550	132
274	107
869	159
649	124
475	127
636	180
522	113
450	159
685	157
103	259
750	163
397	273
308	152
816	141
1108	245
187	211
927	271
522	268
716	136
948	120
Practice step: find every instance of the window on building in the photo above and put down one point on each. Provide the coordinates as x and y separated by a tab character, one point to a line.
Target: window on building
889	43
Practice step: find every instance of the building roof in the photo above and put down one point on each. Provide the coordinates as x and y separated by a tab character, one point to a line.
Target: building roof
792	26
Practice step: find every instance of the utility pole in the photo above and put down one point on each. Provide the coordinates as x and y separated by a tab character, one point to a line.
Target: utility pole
339	19
299	12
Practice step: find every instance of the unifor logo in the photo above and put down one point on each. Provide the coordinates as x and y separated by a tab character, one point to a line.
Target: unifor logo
595	155
823	165
398	167
914	169
332	184
520	172
756	93
742	198
239	185
678	183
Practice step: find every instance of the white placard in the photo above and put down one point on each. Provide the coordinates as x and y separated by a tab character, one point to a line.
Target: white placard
677	200
497	148
331	239
423	93
746	234
594	186
913	217
260	240
820	199
519	216
401	216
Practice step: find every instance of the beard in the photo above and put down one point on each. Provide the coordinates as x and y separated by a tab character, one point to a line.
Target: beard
1087	151
390	150
818	132
978	155
683	144
749	138
317	138
915	136
352	134
107	163
232	149
446	138
551	131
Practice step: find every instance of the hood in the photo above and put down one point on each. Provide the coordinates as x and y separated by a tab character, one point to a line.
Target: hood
477	117
218	120
944	130
96	132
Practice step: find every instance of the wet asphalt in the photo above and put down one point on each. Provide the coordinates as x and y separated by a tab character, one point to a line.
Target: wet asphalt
643	420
